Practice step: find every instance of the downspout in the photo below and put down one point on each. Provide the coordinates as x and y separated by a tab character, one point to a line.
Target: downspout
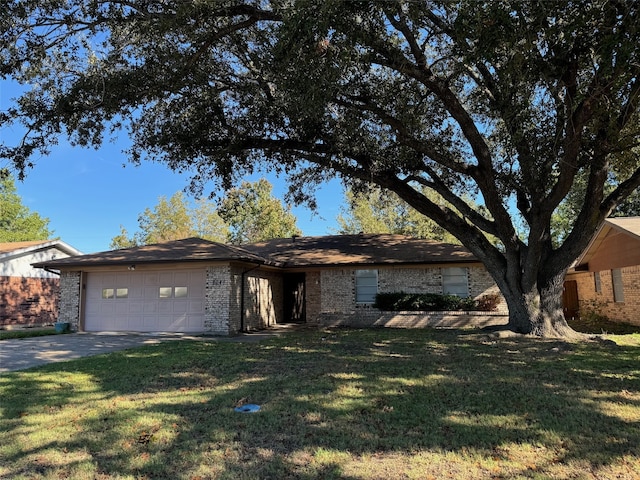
55	272
242	278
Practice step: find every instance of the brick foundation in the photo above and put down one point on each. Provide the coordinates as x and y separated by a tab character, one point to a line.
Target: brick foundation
374	318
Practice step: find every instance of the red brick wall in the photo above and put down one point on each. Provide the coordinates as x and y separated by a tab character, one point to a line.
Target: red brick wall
28	301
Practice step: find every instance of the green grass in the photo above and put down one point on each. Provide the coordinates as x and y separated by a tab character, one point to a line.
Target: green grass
344	404
597	324
27	333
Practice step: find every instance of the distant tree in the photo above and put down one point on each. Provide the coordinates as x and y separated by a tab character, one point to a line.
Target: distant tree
123	240
169	220
206	222
17	222
377	211
253	214
173	219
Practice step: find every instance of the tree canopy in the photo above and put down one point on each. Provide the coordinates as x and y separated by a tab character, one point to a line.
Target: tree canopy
376	211
254	214
508	102
246	214
17	222
174	219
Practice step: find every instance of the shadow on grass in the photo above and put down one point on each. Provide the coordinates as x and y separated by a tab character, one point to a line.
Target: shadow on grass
328	400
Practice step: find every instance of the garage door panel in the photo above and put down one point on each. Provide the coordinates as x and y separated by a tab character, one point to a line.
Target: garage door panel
195	306
136	306
165	305
139	307
180	307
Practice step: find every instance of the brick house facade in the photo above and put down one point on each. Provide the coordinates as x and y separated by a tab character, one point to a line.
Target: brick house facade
607	274
309	279
29	296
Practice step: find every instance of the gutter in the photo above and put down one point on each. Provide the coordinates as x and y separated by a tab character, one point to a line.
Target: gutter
242	278
50	270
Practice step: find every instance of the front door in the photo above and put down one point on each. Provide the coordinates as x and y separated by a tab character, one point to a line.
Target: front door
294	298
570	303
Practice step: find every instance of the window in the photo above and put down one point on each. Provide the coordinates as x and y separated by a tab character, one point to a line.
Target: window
618	290
596	281
455	281
111	293
165	292
366	286
176	292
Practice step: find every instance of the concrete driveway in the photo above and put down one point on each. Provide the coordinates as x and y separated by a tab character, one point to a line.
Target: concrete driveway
24	353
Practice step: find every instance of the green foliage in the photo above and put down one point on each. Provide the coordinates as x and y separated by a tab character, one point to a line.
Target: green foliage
398	301
173	219
246	214
17	222
377	211
253	214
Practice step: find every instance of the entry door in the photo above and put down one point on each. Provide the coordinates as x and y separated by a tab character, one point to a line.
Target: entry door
570	303
294	298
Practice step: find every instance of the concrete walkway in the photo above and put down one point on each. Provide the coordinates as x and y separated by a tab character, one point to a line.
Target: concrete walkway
18	354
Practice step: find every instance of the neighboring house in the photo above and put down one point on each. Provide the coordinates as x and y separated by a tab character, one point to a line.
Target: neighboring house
29	296
606	277
194	285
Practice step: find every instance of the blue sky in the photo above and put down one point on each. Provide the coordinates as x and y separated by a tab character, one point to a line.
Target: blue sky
88	194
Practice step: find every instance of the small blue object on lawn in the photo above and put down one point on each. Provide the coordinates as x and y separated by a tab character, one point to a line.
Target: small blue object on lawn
248	408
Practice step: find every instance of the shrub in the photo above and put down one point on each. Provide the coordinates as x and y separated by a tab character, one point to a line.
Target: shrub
488	302
433	302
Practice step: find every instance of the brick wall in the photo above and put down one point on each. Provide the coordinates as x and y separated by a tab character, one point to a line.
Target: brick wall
603	302
313	296
263	299
337	287
70	299
374	318
28	301
218	295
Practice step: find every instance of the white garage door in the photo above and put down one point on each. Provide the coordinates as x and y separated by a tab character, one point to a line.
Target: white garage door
163	301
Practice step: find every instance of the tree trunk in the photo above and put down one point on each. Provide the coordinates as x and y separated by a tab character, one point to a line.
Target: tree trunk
538	310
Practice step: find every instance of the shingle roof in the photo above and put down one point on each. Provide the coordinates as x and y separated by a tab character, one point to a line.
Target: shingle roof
12	246
186	250
9	249
360	249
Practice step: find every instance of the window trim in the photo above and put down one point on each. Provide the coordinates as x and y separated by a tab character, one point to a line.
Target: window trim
597	282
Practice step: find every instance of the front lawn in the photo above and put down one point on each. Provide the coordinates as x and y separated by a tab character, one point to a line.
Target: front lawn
344	404
27	333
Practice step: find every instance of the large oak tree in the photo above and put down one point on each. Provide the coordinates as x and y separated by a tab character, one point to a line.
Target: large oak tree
506	102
